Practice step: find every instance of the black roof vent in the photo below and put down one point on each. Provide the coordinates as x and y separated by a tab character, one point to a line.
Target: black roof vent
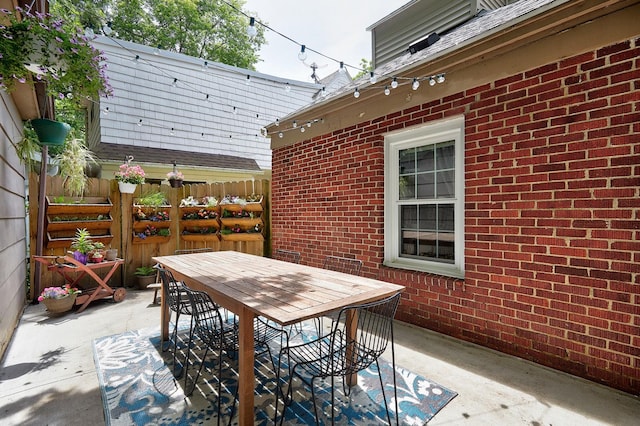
424	43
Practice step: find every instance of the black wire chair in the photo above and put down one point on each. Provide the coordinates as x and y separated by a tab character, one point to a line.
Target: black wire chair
338	264
216	333
336	355
286	255
342	264
177	299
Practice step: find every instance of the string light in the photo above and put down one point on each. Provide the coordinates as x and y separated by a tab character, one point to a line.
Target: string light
342	69
252	31
295	124
248	81
432	81
287	87
394	83
205	65
156	51
172	132
175	82
302	129
415	84
440	78
106	111
356	93
136	59
302	55
106	29
140	123
386	90
372	78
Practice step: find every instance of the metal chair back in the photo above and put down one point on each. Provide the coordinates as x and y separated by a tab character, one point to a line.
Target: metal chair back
196	250
286	255
343	264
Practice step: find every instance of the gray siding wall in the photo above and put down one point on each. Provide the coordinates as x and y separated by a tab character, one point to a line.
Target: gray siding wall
13	232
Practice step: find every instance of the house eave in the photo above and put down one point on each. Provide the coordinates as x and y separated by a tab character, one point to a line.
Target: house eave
343	110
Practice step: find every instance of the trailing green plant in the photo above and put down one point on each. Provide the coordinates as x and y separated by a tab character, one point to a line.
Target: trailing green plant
54	51
73	161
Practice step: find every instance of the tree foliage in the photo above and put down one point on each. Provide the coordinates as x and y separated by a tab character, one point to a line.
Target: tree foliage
208	29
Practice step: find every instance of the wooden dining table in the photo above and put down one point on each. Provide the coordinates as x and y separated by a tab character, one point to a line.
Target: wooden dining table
250	286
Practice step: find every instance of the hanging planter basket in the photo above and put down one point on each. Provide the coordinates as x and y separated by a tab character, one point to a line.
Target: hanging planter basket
127	188
175	183
50	132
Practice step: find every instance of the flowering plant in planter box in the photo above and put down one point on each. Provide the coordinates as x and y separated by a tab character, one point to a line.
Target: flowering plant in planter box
52	51
200	214
57	292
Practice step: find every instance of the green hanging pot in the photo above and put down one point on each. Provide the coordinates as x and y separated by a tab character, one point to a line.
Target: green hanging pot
50	132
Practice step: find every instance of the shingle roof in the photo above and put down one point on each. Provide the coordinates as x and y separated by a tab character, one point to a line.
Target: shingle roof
117	152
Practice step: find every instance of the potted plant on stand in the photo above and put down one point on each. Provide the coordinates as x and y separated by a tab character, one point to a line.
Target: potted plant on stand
129	176
146	275
82	244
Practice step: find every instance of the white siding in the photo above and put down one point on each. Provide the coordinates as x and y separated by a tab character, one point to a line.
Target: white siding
144	91
13	244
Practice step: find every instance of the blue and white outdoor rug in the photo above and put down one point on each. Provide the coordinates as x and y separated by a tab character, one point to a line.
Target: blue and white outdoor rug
138	388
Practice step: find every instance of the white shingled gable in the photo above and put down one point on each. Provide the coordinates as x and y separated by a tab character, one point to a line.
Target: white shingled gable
144	91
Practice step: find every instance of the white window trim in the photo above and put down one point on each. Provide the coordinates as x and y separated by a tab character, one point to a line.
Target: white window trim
441	131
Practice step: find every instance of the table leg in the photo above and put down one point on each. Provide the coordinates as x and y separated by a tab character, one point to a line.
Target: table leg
164	315
352	330
246	385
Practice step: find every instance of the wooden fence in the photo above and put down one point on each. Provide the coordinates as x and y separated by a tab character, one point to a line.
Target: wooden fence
122	226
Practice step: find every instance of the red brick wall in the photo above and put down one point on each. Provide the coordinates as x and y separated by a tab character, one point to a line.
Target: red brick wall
552	214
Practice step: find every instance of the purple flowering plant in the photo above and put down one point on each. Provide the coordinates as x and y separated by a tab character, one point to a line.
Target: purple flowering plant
57	292
41	47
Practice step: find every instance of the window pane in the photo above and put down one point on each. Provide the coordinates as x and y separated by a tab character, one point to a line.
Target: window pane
446	246
407	161
428	217
425	159
408	243
445	155
407	187
445	184
409	217
445	217
426	187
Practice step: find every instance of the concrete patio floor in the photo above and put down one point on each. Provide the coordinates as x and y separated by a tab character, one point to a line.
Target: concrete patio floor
48	377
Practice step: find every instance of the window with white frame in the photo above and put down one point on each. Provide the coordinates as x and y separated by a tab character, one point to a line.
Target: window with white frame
424	198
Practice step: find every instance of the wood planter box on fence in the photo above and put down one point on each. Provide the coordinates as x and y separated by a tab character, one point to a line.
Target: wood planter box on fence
151	239
64	218
242	236
200	237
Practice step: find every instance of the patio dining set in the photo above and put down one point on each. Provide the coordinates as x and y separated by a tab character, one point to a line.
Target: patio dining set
239	303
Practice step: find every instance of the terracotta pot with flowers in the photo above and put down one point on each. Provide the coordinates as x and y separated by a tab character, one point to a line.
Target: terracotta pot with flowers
40	47
129	176
58	299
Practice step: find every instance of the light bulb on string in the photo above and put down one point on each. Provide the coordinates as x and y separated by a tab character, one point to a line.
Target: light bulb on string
356	93
248	81
342	69
106	111
295	124
287	87
432	81
202	135
106	29
277	121
205	65
175	82
302	55
136	60
415	84
324	91
235	111
280	135
140	123
372	78
394	83
156	51
252	31
172	132
440	78
302	129
387	91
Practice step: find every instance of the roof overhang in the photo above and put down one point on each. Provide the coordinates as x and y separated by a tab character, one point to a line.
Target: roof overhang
462	63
